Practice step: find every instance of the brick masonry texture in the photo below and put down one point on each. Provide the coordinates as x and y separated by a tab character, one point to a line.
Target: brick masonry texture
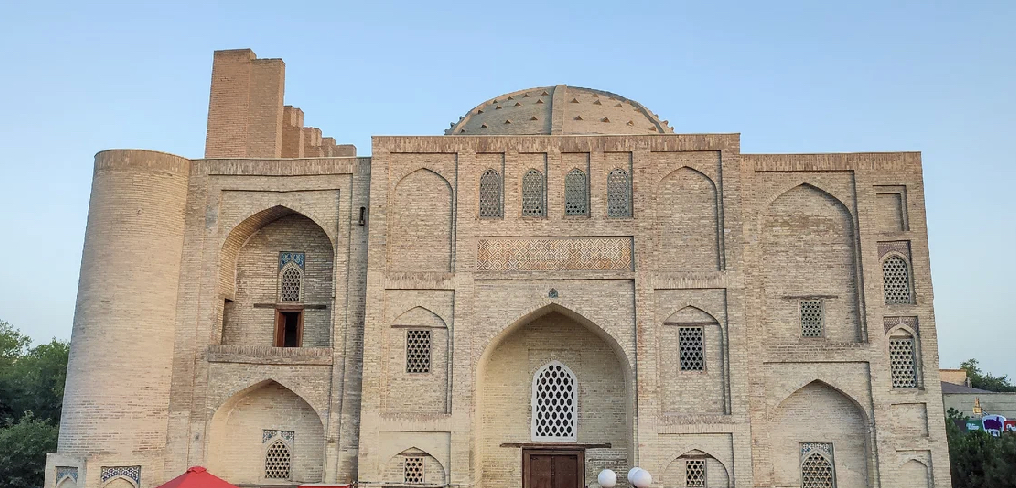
173	361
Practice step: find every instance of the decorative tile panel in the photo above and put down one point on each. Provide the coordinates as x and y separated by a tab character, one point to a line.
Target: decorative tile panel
824	448
287	257
531	254
286	435
66	471
890	322
132	473
902	247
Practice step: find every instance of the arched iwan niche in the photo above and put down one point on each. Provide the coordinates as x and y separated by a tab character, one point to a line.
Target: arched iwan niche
687	222
420	224
412	467
913	474
252	268
808	255
695	466
819	414
245	427
505	389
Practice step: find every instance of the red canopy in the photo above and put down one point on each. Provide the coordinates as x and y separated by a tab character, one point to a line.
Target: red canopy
197	477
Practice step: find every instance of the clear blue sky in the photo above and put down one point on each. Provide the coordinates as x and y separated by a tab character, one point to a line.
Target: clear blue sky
791	77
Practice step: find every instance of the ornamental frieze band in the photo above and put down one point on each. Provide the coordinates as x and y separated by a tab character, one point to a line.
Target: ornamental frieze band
566	253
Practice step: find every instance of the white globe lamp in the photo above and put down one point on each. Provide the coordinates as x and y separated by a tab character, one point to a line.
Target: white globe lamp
642	479
632	471
607	479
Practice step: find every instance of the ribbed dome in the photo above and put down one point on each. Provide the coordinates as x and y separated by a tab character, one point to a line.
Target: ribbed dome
556	110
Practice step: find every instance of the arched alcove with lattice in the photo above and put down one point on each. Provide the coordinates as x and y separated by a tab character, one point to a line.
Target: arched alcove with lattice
809	263
263	433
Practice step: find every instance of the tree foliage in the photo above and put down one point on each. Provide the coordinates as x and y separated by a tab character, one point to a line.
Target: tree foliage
31	396
979	460
984	380
23	448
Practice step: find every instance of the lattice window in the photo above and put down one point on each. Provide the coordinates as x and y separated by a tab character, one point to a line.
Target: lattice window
817	465
811	318
896	274
692	358
414	470
291	276
902	362
695	472
490	195
533	194
576	194
132	473
278	461
418	351
618	194
555	404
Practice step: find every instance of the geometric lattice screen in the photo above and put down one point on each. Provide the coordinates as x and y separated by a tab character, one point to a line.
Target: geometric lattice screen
901	358
575	194
289	288
490	194
811	318
418	351
618	194
690	339
533	194
554	404
414	470
896	276
278	461
817	465
291	266
695	472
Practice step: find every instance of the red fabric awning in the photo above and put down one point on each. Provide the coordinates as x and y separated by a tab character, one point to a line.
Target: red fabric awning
197	477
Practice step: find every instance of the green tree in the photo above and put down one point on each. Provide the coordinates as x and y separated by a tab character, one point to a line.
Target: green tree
984	380
31	396
36	381
979	460
23	448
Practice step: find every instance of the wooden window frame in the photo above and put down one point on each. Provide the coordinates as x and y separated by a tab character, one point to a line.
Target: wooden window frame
280	325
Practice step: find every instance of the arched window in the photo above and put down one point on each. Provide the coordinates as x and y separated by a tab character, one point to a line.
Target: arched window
291	276
618	194
903	360
278	461
555	404
896	275
533	194
490	195
576	194
817	466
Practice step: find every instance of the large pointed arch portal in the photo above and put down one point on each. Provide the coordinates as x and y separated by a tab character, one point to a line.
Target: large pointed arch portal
551	388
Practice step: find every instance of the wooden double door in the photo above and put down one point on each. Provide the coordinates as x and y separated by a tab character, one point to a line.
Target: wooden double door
553	468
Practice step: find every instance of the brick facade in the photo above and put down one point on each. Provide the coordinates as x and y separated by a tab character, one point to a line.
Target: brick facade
174	359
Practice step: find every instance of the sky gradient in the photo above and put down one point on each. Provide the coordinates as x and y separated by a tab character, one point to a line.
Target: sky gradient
789	76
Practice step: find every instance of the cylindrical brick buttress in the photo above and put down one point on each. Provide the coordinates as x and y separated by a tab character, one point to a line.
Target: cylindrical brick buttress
118	376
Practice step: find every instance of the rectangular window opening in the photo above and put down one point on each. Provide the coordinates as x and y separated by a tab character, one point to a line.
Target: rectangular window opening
691	341
289	328
418	351
812	318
